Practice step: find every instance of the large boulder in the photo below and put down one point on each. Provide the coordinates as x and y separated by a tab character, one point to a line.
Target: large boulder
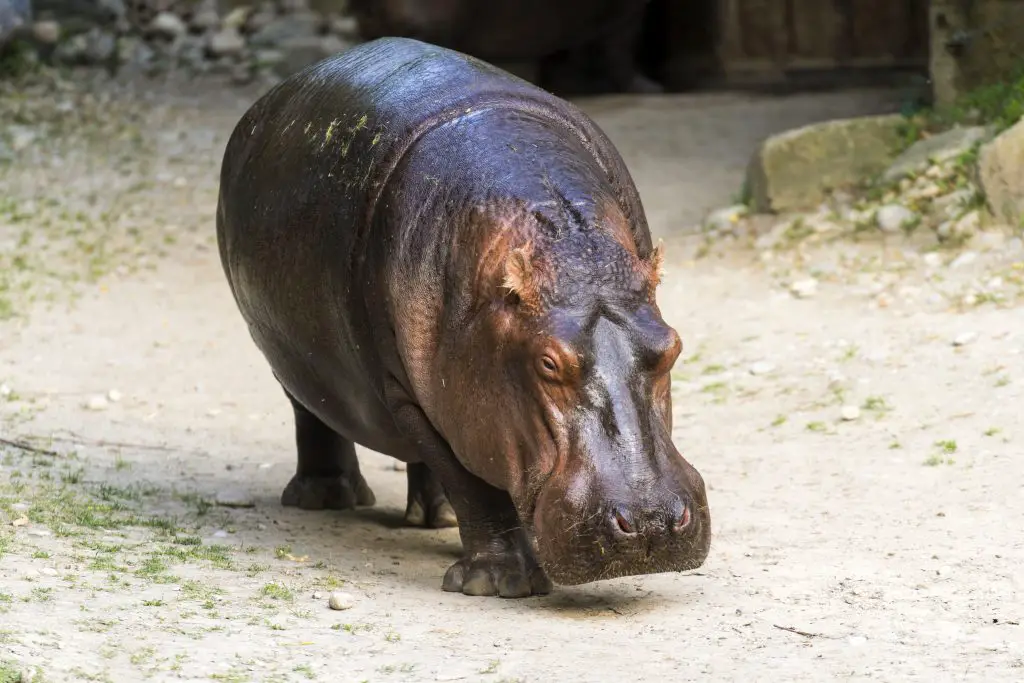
795	170
1001	174
15	17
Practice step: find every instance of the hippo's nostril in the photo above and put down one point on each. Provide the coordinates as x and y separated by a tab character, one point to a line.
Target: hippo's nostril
623	521
681	518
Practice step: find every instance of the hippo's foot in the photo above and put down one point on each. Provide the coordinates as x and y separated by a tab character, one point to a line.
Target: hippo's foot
327	493
327	477
508	575
427	504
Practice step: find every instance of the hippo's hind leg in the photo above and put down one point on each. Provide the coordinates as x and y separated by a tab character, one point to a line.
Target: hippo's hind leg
427	504
327	476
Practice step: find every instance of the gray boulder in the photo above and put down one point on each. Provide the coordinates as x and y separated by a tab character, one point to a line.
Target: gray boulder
15	19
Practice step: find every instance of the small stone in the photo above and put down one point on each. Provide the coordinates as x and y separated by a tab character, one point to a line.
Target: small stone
46	32
234	498
96	403
21	136
804	289
964	259
857	641
850	413
261	527
39	532
168	25
205	17
5	391
114	395
893	218
762	368
20	521
933	259
965	338
49	571
340	601
317	595
227	41
220	533
236	18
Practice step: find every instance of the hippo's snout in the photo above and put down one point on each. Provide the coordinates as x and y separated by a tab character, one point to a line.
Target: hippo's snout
629	523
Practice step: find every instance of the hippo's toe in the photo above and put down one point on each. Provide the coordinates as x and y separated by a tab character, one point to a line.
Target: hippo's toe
507	576
327	493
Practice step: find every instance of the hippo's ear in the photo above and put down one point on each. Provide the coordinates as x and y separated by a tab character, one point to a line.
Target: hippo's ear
519	279
654	263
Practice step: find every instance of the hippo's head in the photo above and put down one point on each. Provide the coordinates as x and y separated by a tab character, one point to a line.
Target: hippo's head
569	392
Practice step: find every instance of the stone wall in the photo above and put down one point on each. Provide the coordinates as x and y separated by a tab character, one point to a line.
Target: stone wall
974	43
239	38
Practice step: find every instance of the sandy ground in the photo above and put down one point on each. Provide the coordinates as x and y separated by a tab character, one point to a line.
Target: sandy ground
888	547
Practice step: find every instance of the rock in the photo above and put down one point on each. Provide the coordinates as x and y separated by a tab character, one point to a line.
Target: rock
96	403
1001	174
46	32
934	150
933	259
114	395
804	289
341	601
724	220
205	17
893	218
964	259
167	25
298	53
762	368
234	498
236	18
964	228
796	169
227	41
965	338
292	29
850	413
20	137
5	391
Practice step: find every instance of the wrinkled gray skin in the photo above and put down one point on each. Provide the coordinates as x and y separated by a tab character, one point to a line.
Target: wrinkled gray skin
449	266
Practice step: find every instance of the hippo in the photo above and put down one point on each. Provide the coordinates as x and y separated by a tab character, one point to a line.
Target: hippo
564	36
447	265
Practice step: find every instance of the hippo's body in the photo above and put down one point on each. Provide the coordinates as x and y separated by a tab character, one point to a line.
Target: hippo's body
520	30
389	222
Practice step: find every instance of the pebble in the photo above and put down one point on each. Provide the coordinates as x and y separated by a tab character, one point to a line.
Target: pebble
5	391
168	24
762	368
804	289
96	403
965	338
49	571
234	498
340	601
318	595
114	395
892	218
933	259
46	32
220	533
227	41
20	507
964	259
850	413
261	527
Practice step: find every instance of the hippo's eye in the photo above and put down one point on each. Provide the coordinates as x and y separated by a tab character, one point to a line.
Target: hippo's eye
549	366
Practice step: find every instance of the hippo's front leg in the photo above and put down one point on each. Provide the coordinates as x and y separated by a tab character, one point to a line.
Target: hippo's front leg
498	559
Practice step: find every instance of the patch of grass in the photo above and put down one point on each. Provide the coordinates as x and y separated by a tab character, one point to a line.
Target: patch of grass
282	551
947	446
713	369
817	427
306	671
992	431
779	421
277	591
876	404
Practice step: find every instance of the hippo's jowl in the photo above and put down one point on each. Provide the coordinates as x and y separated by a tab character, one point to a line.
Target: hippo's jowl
452	267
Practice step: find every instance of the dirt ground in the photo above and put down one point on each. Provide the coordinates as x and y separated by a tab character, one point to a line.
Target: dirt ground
886	547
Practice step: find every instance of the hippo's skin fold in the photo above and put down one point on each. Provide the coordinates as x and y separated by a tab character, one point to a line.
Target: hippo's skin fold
447	265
